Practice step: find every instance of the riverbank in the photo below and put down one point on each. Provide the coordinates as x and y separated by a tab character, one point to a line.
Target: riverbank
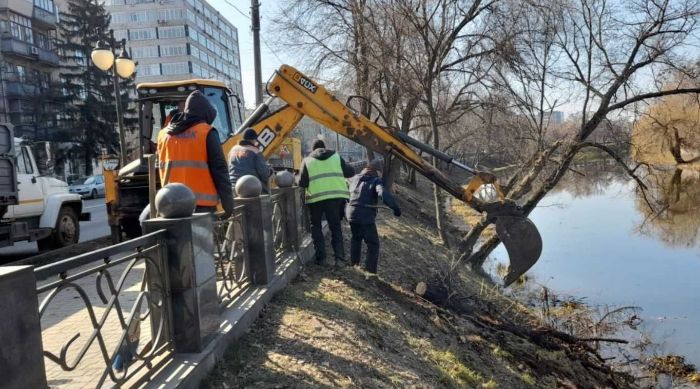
345	328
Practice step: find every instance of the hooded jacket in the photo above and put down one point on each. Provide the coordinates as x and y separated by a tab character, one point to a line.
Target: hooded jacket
322	155
246	159
366	189
198	110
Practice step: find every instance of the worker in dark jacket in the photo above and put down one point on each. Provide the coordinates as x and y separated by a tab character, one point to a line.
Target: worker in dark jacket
323	175
365	190
189	152
246	159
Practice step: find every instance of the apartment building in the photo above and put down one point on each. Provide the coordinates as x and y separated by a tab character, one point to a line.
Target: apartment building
28	59
178	39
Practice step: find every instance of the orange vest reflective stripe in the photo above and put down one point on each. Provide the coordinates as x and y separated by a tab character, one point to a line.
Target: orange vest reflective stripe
183	158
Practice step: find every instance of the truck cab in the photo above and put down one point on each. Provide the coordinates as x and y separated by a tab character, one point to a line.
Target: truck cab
34	207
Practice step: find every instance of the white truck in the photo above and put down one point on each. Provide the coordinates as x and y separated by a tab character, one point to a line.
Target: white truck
34	207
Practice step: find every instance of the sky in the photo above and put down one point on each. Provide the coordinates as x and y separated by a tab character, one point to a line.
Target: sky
238	13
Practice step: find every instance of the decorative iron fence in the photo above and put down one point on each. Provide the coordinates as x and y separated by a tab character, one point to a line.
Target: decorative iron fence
119	295
231	256
279	238
304	219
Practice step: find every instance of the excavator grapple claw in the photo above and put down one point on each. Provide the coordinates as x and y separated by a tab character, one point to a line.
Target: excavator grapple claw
522	242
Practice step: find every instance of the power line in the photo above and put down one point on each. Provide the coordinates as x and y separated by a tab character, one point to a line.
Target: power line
263	38
237	9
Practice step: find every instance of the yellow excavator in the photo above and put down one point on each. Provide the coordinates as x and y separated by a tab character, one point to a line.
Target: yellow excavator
303	97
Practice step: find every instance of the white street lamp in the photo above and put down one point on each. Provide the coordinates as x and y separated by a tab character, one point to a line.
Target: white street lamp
103	57
125	65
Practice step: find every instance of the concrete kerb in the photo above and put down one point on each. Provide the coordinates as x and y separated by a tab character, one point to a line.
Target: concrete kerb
188	370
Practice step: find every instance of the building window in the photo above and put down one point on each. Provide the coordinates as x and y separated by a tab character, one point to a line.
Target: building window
198	6
200	22
207	13
196	69
171	32
194	34
121	34
21	28
191	17
141	34
42	40
173	50
145	52
194	51
176	68
149	69
170	14
46	5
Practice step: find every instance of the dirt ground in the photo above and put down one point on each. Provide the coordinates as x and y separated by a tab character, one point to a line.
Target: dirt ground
341	327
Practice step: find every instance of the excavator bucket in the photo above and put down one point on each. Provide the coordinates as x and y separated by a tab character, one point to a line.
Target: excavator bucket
523	244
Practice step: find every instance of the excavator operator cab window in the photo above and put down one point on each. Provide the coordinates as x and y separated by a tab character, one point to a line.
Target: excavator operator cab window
219	99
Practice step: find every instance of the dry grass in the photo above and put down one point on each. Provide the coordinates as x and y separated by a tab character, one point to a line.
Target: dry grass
343	328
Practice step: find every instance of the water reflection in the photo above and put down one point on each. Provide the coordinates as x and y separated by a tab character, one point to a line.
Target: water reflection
670	205
604	242
592	178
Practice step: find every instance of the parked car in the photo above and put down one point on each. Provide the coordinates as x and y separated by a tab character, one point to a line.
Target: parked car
92	187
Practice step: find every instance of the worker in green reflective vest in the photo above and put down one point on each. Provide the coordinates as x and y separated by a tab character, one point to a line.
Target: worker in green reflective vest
323	174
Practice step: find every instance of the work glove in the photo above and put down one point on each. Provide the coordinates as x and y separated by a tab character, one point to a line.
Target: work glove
397	211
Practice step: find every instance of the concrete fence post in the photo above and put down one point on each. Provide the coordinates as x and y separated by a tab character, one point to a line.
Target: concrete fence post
192	272
261	253
21	353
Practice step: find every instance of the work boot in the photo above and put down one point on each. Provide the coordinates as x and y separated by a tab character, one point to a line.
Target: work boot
340	262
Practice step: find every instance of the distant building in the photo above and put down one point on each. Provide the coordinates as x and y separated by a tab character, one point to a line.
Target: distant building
28	59
178	39
557	117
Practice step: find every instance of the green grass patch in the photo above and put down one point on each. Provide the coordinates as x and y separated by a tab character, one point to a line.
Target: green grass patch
454	372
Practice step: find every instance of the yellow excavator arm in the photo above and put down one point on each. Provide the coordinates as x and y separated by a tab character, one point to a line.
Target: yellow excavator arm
304	97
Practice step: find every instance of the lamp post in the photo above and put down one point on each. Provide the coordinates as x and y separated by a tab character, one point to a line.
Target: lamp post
103	56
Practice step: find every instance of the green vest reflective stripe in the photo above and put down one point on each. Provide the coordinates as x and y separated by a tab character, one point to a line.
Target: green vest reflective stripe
326	180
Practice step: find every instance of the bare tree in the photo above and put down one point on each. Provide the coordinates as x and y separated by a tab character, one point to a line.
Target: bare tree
612	54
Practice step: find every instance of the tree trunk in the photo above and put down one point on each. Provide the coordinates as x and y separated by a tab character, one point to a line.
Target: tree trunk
437	192
476	260
88	163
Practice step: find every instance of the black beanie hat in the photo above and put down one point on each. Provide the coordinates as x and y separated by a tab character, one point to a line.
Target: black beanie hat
318	144
250	134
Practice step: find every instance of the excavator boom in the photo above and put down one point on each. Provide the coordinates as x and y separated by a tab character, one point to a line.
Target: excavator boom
304	97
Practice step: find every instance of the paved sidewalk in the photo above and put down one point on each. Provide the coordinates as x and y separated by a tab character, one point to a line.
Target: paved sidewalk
67	316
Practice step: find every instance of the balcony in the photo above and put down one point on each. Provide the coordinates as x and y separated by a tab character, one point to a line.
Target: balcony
11	46
44	17
22	7
20	89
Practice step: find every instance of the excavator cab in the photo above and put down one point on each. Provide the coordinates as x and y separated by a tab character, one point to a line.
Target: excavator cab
126	189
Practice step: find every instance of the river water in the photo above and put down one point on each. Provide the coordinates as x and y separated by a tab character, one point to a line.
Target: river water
605	242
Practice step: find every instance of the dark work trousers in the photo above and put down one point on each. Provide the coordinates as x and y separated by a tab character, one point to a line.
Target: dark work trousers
368	234
329	209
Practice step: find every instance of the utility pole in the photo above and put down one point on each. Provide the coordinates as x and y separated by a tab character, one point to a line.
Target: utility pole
255	13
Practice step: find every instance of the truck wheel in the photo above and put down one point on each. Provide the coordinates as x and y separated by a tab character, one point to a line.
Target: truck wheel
66	233
93	194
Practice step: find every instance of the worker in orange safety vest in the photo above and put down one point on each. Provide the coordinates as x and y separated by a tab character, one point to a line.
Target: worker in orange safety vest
189	152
